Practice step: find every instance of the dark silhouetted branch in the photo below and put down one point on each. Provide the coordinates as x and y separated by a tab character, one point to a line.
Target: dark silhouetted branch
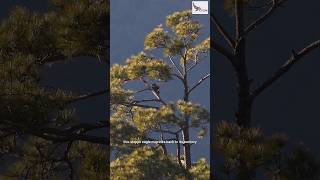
295	57
87	96
222	50
222	31
265	16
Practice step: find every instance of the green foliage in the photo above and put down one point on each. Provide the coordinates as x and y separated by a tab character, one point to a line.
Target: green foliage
139	66
246	150
143	164
200	170
75	28
40	159
158	38
301	164
93	161
82	26
122	128
185	32
143	66
197	114
36	122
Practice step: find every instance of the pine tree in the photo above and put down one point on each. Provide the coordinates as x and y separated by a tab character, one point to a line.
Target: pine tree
38	131
146	114
246	152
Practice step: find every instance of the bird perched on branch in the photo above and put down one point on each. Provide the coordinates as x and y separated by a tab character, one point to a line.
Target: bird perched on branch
155	88
294	54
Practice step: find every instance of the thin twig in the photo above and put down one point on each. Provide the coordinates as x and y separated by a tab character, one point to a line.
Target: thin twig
175	65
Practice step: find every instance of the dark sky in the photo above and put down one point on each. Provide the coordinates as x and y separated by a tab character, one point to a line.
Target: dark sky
291	105
131	21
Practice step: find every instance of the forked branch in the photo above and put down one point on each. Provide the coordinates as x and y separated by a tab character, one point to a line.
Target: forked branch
222	31
222	50
265	16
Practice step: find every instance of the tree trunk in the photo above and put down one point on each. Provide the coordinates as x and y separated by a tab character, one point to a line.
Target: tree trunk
243	83
186	148
244	100
185	131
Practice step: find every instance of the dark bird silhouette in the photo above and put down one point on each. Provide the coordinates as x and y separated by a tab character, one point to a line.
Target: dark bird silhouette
155	88
295	55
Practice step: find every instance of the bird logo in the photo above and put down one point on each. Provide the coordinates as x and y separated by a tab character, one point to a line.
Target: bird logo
197	8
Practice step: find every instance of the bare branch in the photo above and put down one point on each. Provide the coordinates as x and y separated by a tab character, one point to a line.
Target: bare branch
146	100
87	96
179	77
139	105
222	50
265	16
261	6
295	57
142	90
57	135
222	31
61	135
199	82
193	66
163	145
85	127
175	65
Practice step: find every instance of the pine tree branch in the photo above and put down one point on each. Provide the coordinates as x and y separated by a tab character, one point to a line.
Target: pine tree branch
295	57
138	105
199	82
222	50
265	16
222	30
73	133
179	77
58	135
146	100
175	65
87	96
153	92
